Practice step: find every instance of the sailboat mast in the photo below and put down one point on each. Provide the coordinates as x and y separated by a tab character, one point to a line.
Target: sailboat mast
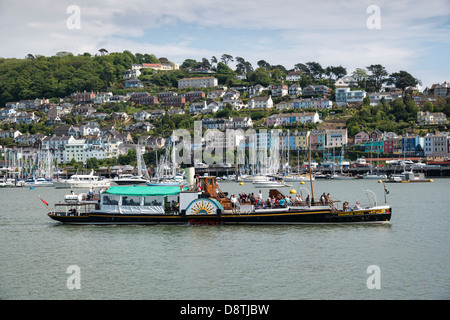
309	164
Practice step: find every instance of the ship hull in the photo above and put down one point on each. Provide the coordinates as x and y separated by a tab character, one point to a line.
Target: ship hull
377	215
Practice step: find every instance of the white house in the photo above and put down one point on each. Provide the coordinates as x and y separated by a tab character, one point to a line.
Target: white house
295	90
75	149
260	103
336	138
293	76
345	95
141	115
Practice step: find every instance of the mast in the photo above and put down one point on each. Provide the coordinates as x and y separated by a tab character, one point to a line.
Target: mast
309	163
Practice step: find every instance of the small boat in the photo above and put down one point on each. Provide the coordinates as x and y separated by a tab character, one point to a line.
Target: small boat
83	181
341	177
127	179
407	177
38	182
261	181
298	178
204	205
374	176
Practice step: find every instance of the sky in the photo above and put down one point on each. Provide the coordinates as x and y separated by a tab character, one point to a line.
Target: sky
410	35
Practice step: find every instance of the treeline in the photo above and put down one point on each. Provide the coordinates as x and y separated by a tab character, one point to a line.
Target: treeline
37	76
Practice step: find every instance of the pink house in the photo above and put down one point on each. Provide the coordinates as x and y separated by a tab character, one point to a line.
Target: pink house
361	137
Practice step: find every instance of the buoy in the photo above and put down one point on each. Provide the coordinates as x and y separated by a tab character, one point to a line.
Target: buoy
31	188
241	183
431	180
293	191
379	181
301	182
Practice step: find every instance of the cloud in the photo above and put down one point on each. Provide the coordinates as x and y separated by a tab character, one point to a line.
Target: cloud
328	31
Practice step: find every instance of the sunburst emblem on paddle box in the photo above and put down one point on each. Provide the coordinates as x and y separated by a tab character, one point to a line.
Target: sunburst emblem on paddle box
202	206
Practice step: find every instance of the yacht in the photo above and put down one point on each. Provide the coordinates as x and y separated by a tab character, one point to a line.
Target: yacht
83	181
38	182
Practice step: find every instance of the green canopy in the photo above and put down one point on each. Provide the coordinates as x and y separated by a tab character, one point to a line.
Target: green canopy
145	190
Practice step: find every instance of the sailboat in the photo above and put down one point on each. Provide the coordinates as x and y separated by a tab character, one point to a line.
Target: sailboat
142	176
370	174
42	172
341	176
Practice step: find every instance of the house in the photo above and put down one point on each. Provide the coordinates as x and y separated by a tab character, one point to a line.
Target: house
240	123
75	149
11	133
436	143
56	145
216	94
119	116
294	76
285	105
345	96
141	115
317	140
142	126
420	100
27	118
84	111
295	90
336	138
103	97
231	95
193	96
429	118
346	82
441	90
131	74
175	111
361	137
255	90
377	97
197	107
260	103
143	98
133	83
53	121
317	90
83	97
198	82
90	129
152	143
279	90
155	114
375	135
177	101
314	103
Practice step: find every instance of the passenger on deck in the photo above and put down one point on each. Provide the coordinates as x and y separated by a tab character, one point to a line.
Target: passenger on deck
298	199
357	206
233	203
323	199
345	206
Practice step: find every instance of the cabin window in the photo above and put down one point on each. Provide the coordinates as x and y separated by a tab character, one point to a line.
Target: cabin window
131	201
111	200
152	201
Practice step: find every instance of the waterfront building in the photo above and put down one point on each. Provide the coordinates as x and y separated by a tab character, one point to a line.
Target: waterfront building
336	138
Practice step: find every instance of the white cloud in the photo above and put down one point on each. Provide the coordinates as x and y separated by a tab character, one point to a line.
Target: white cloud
328	31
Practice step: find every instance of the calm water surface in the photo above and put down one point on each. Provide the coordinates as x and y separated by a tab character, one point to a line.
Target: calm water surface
232	262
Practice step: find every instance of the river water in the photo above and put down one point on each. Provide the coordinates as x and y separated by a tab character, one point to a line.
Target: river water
333	262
